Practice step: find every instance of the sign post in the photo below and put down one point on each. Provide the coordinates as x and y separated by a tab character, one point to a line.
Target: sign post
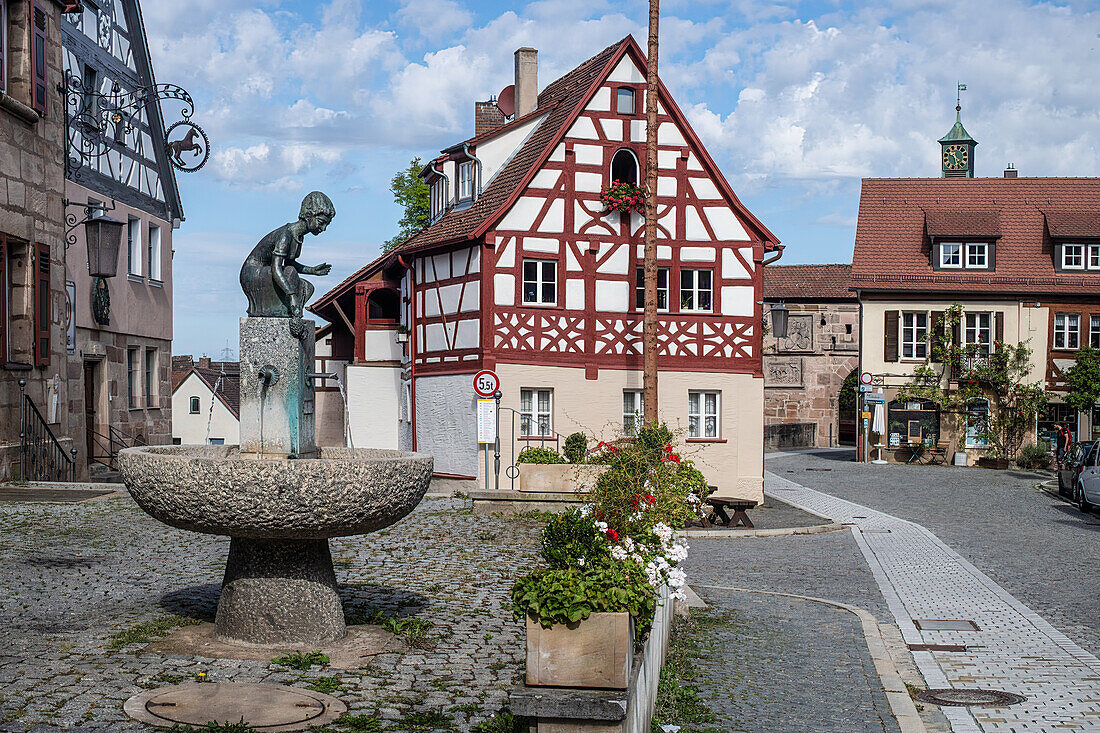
865	380
487	389
496	444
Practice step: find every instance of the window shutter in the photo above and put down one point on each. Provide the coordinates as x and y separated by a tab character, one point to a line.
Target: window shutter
3	49
38	24
937	334
41	304
3	298
999	327
890	347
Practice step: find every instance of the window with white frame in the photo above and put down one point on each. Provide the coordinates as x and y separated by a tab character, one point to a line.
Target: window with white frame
977	423
662	288
133	375
535	412
466	180
151	378
437	196
1094	256
951	254
977	255
1094	332
696	290
624	101
703	414
914	335
977	331
1073	256
540	282
194	406
133	244
154	252
632	411
1067	330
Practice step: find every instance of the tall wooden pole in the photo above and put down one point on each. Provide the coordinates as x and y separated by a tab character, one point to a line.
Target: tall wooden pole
649	317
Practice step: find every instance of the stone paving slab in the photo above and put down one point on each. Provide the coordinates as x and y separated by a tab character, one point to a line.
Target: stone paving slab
73	576
1013	650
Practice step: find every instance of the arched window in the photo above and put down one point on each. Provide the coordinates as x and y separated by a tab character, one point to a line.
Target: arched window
383	304
624	167
194	405
977	423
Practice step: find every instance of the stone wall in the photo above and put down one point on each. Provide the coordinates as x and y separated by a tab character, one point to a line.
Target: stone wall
32	178
804	372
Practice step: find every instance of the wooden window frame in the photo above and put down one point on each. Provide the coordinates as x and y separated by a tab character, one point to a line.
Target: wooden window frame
918	340
133	248
702	414
532	416
1082	254
633	98
153	247
1094	330
972	248
41	275
194	406
639	288
39	67
635	418
961	254
637	166
695	290
1065	332
539	282
150	377
3	297
466	166
133	372
3	45
977	329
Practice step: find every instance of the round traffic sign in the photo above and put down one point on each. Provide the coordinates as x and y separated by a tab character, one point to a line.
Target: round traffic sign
866	378
486	382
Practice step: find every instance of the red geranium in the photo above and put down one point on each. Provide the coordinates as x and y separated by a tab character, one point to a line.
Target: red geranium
612	535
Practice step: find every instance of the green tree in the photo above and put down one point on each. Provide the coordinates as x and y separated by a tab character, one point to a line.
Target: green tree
1002	377
412	194
1083	380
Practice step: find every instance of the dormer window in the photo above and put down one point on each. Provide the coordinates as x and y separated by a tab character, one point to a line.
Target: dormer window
465	180
624	167
964	256
437	198
625	103
1073	256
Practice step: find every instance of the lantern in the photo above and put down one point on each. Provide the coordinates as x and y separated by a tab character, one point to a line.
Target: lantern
779	320
102	235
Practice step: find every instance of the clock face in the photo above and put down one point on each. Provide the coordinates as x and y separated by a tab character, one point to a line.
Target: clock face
955	157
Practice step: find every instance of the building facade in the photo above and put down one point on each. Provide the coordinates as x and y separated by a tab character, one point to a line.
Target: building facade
524	271
33	257
810	375
206	401
1016	253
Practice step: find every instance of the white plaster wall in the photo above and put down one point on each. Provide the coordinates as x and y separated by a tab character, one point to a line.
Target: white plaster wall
191	429
594	406
446	413
381	346
498	150
374	401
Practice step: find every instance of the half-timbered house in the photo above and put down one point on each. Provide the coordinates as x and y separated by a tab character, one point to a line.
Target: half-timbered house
523	270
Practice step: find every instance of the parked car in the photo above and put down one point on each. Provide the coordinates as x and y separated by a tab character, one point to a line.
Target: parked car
1070	468
1087	488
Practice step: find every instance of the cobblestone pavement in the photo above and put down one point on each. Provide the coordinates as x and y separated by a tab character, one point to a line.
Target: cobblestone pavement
1039	548
1012	649
782	665
74	576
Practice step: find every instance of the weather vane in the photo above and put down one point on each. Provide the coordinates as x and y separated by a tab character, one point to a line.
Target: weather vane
958	96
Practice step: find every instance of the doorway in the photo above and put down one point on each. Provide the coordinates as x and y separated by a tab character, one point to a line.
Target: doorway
91	412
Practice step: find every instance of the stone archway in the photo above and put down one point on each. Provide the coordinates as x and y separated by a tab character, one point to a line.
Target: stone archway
846	409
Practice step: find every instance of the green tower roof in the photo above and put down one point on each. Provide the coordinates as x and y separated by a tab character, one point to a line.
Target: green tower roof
958	133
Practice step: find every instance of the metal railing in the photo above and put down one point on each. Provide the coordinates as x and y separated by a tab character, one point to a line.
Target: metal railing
41	457
967	364
540	441
106	447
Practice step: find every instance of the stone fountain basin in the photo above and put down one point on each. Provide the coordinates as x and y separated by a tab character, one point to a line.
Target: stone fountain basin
217	490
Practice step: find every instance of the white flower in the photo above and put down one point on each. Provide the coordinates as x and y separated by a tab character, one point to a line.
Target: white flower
601	526
676	578
618	553
586	510
663	532
677	553
628	544
636	516
637	558
678	595
580	561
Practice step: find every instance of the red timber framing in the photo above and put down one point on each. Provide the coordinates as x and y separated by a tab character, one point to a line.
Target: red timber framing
447	326
363	320
1058	360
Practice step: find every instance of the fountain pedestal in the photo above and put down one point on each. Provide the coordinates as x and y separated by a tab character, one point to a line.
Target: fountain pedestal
279	592
277	418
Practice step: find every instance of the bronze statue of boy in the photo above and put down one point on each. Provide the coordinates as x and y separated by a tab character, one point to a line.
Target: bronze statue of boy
270	274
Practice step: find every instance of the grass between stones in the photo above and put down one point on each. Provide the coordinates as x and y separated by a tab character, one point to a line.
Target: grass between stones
678	700
327	685
146	632
213	727
302	660
503	723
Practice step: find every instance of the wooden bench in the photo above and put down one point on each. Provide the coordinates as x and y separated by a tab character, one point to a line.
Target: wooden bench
738	506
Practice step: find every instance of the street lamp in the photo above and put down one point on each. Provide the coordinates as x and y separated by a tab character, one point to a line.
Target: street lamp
779	313
102	236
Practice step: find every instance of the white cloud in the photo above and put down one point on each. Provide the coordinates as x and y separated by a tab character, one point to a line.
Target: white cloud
434	19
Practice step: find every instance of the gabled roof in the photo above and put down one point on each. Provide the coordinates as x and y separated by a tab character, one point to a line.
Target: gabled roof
896	215
807	283
225	385
562	102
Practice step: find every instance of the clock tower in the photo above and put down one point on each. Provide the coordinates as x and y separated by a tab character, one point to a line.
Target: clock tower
957	150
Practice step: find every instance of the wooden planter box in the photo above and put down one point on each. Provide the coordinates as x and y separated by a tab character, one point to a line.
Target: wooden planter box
596	652
559	478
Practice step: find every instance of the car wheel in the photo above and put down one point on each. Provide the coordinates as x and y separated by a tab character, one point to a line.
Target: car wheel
1082	502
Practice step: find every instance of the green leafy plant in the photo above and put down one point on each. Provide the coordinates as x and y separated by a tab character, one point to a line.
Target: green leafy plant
412	195
539	455
302	660
146	632
575	448
424	721
555	596
502	723
1083	380
571	540
359	723
1033	456
623	197
327	685
214	727
412	628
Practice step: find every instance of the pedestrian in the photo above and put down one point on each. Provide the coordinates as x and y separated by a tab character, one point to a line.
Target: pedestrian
1062	440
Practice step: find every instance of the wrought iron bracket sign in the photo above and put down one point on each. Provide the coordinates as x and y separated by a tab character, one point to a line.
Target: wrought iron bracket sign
98	122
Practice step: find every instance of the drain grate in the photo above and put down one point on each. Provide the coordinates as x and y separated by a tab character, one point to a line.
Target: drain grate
937	647
945	624
964	697
875	531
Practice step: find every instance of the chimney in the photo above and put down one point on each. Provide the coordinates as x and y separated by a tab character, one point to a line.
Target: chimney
1010	172
487	117
527	80
204	362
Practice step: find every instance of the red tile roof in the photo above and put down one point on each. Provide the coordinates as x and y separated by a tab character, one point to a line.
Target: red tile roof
893	249
224	380
802	283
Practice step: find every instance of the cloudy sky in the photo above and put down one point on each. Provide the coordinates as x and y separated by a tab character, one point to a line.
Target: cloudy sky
796	101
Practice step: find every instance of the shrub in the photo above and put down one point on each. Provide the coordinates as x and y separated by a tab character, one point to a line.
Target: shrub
571	540
576	446
554	596
539	455
1033	456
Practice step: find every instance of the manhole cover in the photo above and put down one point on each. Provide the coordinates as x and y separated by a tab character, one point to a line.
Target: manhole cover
263	707
962	697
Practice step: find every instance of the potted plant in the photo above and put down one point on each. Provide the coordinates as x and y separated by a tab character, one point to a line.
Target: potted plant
402	333
623	197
